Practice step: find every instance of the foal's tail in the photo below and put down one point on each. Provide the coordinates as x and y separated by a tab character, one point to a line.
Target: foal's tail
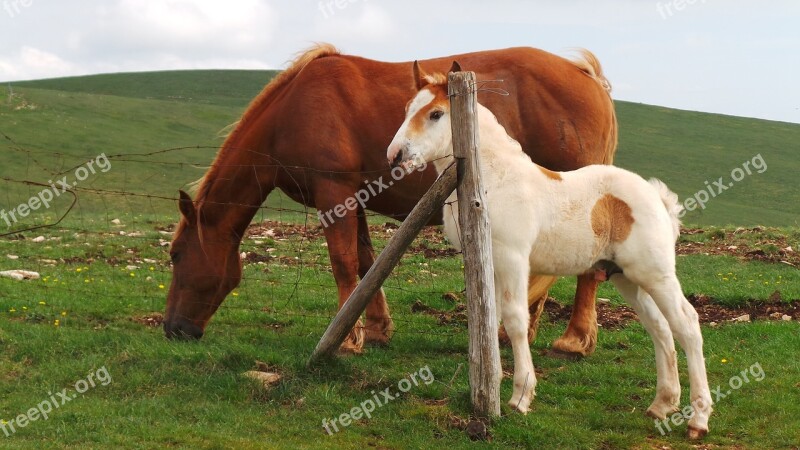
671	203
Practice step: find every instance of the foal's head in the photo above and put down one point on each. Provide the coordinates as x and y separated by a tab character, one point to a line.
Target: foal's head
425	134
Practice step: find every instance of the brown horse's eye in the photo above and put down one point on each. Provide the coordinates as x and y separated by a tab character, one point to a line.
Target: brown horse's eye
436	115
175	257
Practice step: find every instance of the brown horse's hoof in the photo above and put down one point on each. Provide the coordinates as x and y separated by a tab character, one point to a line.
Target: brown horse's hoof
354	343
379	331
577	347
569	356
695	434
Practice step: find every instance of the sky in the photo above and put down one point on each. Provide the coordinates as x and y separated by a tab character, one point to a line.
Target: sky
732	57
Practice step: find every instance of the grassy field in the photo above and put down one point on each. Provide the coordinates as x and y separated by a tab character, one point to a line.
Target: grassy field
192	395
104	284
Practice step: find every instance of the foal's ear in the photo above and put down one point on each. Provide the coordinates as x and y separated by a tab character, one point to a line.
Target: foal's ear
419	77
456	67
186	206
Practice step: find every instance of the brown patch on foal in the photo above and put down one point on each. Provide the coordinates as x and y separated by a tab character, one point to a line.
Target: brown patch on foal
550	174
612	219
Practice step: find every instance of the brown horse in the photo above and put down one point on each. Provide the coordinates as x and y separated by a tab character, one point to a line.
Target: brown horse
319	132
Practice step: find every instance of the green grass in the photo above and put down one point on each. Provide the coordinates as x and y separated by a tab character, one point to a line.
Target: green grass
192	395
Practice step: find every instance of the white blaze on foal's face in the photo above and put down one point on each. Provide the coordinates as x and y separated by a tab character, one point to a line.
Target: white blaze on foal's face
425	134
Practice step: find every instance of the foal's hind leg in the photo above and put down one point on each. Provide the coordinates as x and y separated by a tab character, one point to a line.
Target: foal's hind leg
668	388
379	328
685	325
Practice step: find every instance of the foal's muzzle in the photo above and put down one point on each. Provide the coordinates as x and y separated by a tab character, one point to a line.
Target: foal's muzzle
398	159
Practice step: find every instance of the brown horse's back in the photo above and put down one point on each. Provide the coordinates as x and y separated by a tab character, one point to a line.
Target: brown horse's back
340	112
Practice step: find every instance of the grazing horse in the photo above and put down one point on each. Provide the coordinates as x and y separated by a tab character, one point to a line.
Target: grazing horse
597	218
318	132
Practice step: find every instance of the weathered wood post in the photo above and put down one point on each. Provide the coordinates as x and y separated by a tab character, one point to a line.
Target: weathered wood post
431	202
484	351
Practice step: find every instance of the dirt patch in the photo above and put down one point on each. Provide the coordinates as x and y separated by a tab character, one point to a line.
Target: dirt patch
612	317
748	244
773	309
151	320
458	316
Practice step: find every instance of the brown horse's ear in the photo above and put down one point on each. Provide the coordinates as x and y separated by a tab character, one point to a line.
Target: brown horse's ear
186	206
456	67
419	77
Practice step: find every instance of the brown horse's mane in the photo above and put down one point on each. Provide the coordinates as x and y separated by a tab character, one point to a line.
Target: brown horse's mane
263	99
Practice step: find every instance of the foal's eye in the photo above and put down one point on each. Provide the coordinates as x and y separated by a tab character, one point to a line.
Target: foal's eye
436	115
175	257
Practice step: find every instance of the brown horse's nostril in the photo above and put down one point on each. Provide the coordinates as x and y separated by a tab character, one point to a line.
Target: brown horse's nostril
397	159
182	329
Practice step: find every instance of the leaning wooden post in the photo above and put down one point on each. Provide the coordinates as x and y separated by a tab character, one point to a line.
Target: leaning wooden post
484	349
431	202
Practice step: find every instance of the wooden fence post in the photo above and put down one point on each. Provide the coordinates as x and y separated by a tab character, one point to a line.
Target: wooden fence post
431	202
484	351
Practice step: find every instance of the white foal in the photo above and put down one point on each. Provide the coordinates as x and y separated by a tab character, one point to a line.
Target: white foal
570	223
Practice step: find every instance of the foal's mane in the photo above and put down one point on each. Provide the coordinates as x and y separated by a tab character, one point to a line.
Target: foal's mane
258	104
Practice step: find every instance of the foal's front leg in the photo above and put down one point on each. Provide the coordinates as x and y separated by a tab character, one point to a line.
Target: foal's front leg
511	281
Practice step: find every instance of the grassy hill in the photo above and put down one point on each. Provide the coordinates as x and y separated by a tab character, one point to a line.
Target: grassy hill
58	124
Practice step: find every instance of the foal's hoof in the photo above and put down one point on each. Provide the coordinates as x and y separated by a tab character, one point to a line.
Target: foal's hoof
695	433
661	411
519	407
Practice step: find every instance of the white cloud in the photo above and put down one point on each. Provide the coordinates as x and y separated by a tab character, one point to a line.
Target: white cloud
32	62
358	21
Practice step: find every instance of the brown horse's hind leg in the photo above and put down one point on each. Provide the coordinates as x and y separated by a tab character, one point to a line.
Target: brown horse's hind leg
379	327
580	338
341	235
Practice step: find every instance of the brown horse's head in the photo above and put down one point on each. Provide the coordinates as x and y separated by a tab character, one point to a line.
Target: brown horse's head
205	268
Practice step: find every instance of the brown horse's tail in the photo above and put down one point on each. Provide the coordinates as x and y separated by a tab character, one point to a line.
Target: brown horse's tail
588	62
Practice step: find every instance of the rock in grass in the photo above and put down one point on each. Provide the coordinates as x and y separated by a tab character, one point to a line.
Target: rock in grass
20	275
269	379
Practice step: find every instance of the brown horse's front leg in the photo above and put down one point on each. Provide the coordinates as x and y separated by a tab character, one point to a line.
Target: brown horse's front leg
580	338
379	327
341	235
